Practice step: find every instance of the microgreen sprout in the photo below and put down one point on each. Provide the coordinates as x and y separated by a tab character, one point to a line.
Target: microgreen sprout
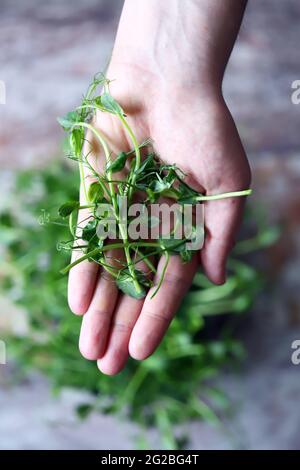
146	179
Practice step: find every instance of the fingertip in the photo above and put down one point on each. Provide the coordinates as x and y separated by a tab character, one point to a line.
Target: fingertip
78	304
110	367
139	355
81	287
94	333
89	350
107	370
85	347
79	297
217	278
137	350
213	261
87	353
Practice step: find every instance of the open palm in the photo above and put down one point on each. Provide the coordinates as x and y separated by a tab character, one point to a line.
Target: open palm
196	132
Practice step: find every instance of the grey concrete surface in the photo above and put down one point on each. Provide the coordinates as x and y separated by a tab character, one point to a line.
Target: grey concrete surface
264	412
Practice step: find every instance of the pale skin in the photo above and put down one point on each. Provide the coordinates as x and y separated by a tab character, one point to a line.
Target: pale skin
168	64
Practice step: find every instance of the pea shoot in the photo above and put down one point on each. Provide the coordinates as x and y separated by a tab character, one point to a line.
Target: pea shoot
147	179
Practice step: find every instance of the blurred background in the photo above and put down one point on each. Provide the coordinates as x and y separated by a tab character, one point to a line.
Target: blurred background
234	374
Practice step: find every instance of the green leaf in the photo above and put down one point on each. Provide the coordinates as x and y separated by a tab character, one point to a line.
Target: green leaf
84	410
173	245
76	140
268	236
218	397
147	165
203	410
186	255
152	196
73	222
69	120
111	105
118	163
8	236
164	424
95	192
89	234
126	285
158	186
155	363
89	230
171	176
66	209
187	195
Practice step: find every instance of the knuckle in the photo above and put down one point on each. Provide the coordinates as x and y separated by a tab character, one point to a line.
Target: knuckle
176	280
122	327
98	312
161	316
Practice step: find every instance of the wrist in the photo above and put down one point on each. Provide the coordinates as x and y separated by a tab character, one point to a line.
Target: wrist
178	42
148	38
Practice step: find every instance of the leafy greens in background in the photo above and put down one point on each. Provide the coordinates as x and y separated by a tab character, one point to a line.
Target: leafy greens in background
170	387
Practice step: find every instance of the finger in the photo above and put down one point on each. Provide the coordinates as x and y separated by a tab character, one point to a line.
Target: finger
96	322
158	312
82	277
222	219
124	319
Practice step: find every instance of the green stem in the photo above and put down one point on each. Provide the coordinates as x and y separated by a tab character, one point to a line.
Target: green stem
71	220
137	164
112	190
133	385
91	106
129	262
162	274
79	260
114	200
112	246
132	182
147	261
165	427
91	254
109	268
81	174
214	197
136	150
103	186
107	157
87	206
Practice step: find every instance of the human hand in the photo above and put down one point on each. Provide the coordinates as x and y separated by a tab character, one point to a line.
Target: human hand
192	127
